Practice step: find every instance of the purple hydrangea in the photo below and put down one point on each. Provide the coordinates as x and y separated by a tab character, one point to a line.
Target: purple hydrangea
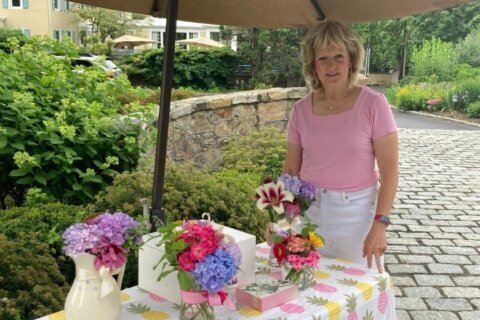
215	271
234	250
308	190
80	237
114	226
292	184
298	187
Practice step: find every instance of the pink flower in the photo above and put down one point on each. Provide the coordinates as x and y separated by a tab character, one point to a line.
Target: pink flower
293	209
273	194
109	255
199	251
185	261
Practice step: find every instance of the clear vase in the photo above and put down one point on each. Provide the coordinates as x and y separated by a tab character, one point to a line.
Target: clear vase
304	278
94	295
196	311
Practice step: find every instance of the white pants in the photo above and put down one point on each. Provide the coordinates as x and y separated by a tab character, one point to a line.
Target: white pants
344	220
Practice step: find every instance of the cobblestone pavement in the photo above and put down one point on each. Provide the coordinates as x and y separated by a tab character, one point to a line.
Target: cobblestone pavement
434	242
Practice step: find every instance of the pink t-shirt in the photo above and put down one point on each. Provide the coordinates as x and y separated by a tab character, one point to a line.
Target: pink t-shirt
338	149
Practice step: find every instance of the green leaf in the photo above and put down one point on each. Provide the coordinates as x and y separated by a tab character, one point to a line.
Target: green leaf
184	280
20	172
26	180
18	145
110	172
96	179
3	141
41	179
77	187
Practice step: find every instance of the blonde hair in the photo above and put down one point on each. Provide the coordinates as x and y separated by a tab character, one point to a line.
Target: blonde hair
325	34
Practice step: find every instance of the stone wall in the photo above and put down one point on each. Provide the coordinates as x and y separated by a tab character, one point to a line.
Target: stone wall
200	126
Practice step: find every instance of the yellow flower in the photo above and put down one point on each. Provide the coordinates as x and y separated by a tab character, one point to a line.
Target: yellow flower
315	239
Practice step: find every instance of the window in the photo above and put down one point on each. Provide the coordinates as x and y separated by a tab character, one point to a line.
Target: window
215	36
67	5
192	35
16	4
157	36
181	36
56	34
56	4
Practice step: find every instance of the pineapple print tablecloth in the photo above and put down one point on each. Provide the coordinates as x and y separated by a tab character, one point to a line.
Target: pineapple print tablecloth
344	291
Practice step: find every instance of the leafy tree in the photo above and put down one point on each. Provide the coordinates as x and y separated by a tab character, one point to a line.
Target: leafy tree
434	61
392	41
272	53
469	48
106	23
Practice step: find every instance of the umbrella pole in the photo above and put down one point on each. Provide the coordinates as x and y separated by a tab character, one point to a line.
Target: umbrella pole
164	113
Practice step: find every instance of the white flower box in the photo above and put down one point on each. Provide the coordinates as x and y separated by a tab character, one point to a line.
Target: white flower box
168	287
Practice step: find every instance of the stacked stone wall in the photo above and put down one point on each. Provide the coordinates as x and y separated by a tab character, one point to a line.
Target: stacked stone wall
200	126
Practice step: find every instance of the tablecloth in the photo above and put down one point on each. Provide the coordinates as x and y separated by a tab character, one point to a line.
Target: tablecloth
343	291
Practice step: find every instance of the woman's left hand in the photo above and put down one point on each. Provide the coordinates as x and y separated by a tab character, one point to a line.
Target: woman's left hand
375	244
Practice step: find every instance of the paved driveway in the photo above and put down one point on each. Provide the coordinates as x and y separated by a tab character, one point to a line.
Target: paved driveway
434	242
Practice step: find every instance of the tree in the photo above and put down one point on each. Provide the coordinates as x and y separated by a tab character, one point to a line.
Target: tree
392	41
272	53
106	23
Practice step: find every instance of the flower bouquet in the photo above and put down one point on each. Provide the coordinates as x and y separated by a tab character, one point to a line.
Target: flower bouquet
99	248
286	200
297	254
205	261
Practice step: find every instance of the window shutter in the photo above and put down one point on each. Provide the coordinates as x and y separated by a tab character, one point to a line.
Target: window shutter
5	4
73	36
62	5
25	4
26	32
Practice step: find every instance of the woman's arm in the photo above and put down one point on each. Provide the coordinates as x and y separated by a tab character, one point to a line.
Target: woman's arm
386	153
293	159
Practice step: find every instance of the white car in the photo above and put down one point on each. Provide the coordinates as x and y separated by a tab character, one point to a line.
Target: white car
97	61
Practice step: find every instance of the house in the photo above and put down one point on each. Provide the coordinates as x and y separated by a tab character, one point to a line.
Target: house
154	28
40	17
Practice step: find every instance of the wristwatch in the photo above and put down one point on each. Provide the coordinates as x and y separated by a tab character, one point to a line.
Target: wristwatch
383	219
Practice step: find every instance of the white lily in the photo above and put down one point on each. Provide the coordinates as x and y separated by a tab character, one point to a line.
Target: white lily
273	194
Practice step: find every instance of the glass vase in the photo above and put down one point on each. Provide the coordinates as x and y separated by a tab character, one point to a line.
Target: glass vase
197	311
304	278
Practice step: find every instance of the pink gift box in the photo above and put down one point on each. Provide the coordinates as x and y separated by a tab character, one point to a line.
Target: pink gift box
266	293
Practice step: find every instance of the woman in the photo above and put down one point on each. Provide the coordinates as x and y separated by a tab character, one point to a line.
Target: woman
335	134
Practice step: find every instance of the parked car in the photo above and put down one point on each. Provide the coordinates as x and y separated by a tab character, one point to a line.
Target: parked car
97	61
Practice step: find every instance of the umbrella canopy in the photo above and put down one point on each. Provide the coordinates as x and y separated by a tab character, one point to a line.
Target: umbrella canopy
278	13
130	41
201	42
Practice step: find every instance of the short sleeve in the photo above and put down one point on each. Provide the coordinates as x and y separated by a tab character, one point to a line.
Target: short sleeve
293	134
383	121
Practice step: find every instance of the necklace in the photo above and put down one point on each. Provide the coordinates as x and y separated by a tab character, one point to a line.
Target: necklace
331	106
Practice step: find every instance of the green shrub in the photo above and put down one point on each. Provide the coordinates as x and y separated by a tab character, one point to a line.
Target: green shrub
390	94
422	97
8	35
39	221
433	62
30	278
473	110
464	93
188	192
60	130
260	151
200	69
464	72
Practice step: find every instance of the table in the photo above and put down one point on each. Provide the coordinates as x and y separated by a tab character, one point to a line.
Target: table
343	290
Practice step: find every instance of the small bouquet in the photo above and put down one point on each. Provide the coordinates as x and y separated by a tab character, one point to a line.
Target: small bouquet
297	253
108	237
286	199
206	261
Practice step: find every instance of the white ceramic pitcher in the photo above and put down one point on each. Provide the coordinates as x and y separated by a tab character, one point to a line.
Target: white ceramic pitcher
94	295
